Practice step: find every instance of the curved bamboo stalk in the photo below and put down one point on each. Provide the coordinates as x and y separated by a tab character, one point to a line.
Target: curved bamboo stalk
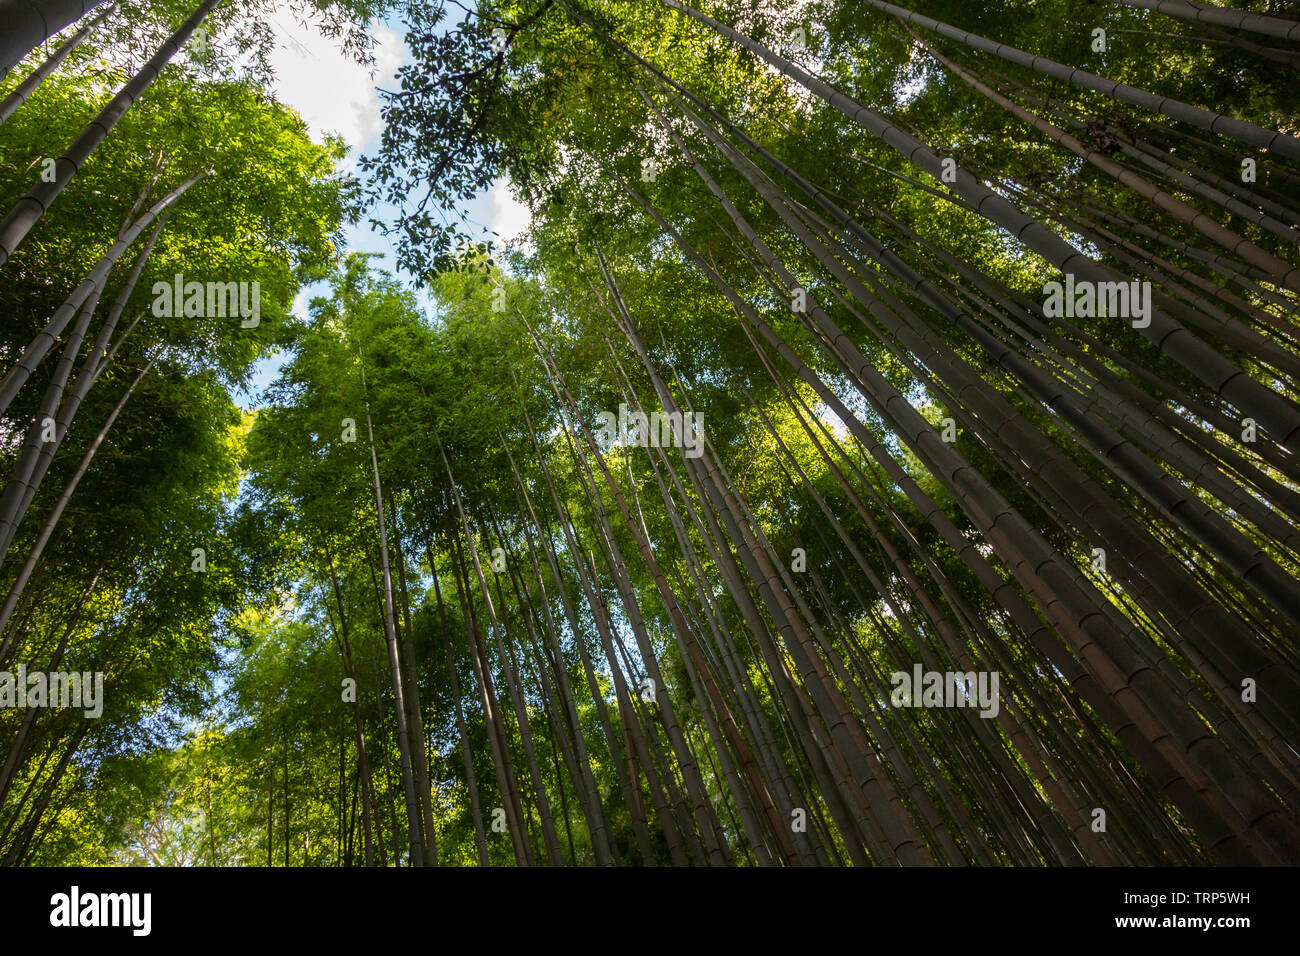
29	23
1248	133
44	340
28	210
1208	13
1283	272
34	555
33	80
1273	412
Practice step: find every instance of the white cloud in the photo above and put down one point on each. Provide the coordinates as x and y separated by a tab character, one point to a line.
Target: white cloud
299	308
509	216
333	93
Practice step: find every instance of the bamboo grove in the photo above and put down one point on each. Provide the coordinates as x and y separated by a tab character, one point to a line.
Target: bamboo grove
434	601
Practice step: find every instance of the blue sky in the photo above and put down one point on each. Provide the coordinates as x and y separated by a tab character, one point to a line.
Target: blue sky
335	95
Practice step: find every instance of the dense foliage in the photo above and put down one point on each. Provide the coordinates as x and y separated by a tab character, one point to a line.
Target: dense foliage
430	604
